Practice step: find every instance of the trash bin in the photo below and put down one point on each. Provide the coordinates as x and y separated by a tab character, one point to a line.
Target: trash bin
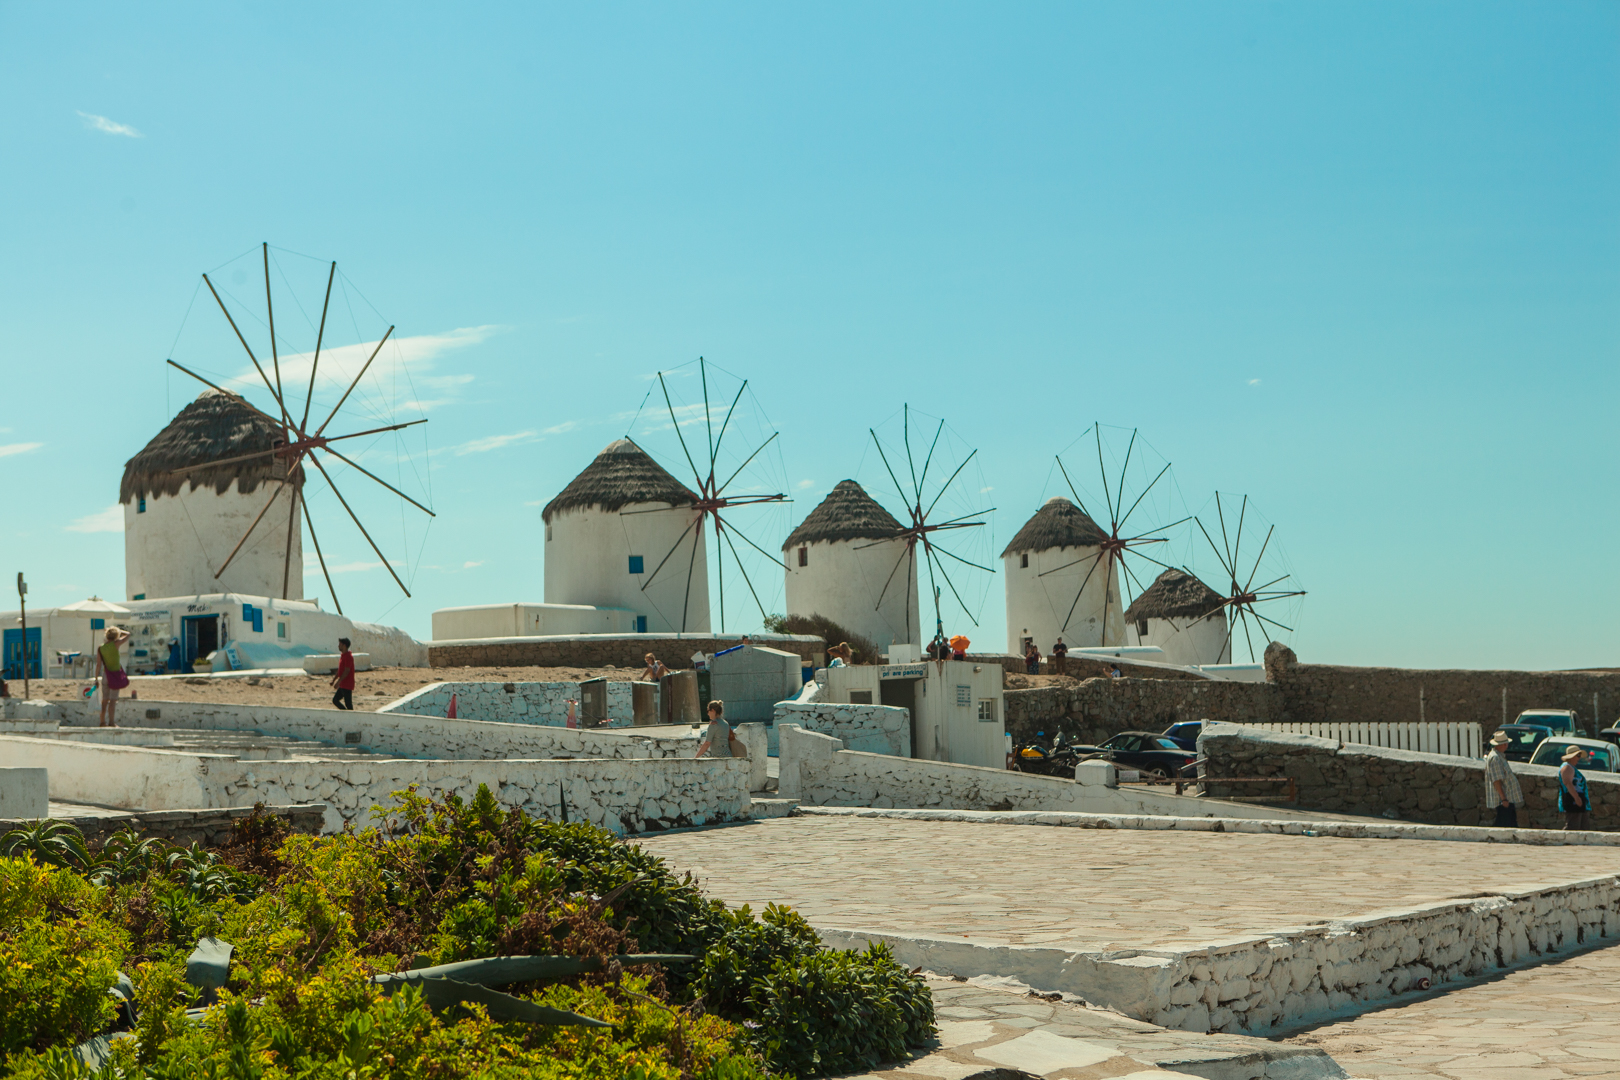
593	708
643	703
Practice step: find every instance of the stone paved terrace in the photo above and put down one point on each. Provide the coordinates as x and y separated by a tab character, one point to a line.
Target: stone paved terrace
1093	889
1545	1023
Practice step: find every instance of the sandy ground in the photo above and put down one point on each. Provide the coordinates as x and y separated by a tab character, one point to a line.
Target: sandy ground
372	689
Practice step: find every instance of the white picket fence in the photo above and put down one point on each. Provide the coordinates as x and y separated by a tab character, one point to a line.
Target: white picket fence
1455	739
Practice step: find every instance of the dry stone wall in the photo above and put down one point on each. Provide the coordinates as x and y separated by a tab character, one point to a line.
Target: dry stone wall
1374	780
544	703
1097	709
604	650
872	729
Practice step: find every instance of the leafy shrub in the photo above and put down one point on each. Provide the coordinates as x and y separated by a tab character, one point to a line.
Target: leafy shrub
866	650
58	957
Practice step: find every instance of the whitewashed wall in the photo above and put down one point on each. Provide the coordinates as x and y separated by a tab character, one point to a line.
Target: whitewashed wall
1186	641
872	729
526	703
587	559
529	620
843	580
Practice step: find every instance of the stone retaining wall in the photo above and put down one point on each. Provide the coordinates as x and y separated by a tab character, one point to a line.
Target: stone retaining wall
1093	711
1370	780
210	828
603	650
543	703
1294	976
872	729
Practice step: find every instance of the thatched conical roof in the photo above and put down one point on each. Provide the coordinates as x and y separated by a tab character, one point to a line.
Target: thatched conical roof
622	474
215	426
1058	524
847	513
1174	594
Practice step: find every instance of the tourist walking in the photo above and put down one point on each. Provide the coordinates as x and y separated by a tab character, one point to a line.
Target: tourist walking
719	741
1032	659
1502	791
1060	658
110	669
343	677
1573	799
654	670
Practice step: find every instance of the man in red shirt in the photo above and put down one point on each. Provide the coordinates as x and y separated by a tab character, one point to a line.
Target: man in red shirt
343	677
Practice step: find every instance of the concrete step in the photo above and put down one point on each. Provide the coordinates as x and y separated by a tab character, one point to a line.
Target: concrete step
763	808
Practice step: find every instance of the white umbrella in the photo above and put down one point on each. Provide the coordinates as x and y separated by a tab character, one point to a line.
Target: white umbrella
96	606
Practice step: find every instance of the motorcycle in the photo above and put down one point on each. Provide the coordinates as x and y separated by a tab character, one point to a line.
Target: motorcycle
1058	758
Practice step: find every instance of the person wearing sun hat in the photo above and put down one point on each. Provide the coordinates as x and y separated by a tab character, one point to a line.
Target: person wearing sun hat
1573	799
1502	791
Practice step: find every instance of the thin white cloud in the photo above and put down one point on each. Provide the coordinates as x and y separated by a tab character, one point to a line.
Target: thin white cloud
1254	382
110	127
18	447
494	442
340	364
108	520
986	490
536	502
803	484
472	563
562	428
353	567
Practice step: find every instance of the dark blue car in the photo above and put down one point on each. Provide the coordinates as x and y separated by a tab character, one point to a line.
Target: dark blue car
1185	734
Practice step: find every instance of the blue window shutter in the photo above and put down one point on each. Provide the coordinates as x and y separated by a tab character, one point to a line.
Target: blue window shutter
247	612
98	624
641	624
258	620
140	505
635	564
139	596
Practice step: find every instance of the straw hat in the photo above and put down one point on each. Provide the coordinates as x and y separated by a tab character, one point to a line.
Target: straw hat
1500	739
1574	753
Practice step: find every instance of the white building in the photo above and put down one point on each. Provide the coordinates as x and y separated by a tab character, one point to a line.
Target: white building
1049	592
179	528
529	620
177	635
1183	617
848	562
956	706
609	530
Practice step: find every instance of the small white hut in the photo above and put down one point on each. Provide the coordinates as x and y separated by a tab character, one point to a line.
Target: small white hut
179	528
848	562
1183	616
611	527
1049	593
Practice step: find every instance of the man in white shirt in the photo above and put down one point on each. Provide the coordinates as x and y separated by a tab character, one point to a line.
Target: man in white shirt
1502	791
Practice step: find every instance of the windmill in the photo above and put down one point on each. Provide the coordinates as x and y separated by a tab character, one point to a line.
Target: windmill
716	497
922	528
1242	603
1116	544
299	441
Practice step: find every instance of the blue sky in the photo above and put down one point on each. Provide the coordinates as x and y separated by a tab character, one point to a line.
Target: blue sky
1359	262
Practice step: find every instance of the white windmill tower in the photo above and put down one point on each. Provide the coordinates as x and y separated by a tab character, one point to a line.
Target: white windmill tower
180	525
611	532
1184	617
1053	588
844	562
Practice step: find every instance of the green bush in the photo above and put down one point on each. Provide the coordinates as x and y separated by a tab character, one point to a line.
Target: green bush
313	918
58	957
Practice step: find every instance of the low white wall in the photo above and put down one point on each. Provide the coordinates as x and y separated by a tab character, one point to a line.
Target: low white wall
388	646
816	770
624	795
403	734
525	703
24	793
871	729
1295	976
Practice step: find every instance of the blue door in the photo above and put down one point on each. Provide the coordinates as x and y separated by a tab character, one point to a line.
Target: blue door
12	650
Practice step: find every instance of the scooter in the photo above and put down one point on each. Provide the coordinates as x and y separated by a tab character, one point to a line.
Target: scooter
1036	756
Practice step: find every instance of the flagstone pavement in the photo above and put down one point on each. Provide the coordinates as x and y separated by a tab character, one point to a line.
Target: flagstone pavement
1543	1023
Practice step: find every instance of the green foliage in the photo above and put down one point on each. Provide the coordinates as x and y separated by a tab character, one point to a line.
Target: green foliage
57	957
866	650
319	922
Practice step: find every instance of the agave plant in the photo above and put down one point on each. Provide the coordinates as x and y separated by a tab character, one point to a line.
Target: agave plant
55	843
127	857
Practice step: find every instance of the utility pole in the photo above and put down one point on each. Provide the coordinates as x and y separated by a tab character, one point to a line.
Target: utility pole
22	601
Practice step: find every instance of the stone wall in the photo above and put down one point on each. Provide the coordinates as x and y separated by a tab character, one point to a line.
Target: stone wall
816	770
1092	711
1326	692
1294	976
543	703
602	650
872	729
1373	780
210	828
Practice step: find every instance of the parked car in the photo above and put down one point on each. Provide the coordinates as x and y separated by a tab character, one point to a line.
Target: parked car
1525	738
1155	755
1185	734
1610	735
1605	756
1558	720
